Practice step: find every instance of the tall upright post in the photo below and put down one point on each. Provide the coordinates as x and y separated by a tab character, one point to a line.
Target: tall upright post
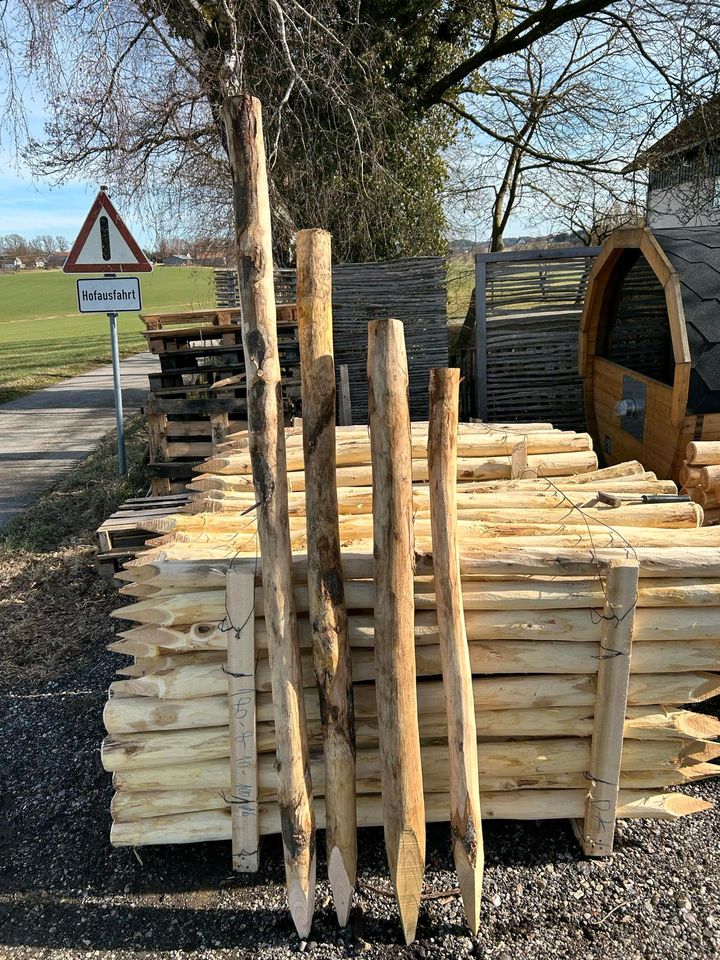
246	151
465	820
481	397
398	734
597	831
240	600
117	389
345	412
328	616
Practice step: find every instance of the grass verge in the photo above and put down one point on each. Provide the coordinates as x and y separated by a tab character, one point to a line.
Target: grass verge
44	340
53	606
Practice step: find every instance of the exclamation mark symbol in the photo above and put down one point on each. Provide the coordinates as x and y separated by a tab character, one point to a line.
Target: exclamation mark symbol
105	238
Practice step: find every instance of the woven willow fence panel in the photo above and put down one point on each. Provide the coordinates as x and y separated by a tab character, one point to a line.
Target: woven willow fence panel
528	309
411	290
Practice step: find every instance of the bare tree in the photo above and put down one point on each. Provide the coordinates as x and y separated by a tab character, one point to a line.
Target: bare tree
552	130
360	100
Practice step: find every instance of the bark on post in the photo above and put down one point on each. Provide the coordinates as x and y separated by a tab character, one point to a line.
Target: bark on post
399	739
328	616
243	127
465	820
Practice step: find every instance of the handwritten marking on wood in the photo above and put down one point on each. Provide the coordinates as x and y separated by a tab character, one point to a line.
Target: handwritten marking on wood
240	585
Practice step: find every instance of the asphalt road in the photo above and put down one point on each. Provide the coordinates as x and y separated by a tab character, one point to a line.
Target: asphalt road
45	434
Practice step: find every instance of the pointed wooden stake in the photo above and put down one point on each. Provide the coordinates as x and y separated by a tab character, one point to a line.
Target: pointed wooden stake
403	801
465	819
326	592
246	151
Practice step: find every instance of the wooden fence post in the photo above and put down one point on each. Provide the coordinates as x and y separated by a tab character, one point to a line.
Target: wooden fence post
598	829
465	818
158	437
246	151
328	616
481	396
399	738
345	402
240	592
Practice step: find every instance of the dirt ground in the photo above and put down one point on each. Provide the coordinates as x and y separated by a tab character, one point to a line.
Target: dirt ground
65	893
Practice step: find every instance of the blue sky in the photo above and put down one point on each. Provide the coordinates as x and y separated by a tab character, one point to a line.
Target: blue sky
32	207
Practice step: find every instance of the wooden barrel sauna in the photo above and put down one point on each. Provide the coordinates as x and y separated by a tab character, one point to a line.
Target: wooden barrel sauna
650	345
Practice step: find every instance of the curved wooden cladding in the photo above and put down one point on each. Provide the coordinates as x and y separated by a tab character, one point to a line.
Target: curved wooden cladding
667	425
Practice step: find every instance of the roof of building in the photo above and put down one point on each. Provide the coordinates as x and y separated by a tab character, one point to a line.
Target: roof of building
700	126
694	252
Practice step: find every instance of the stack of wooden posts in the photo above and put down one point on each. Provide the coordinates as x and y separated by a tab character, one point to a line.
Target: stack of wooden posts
496	638
534	588
200	393
700	477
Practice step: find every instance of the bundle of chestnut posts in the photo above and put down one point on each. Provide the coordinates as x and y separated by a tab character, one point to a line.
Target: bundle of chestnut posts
445	623
700	477
583	626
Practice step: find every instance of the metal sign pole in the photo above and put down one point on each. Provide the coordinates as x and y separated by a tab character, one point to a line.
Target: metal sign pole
122	466
117	389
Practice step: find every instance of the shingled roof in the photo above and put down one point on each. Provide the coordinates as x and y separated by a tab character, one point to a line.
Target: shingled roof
694	252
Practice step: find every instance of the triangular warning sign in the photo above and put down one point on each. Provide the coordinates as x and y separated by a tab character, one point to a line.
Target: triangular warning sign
105	245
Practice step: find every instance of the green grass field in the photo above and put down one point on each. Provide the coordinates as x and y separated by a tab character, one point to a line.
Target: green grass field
460	283
43	339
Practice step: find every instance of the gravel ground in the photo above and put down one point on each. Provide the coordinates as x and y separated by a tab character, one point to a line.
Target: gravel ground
65	893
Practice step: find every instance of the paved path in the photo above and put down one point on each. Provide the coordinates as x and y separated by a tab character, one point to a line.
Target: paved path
44	434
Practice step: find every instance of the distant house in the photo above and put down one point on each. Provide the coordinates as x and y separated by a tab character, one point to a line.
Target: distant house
684	171
39	263
178	260
55	260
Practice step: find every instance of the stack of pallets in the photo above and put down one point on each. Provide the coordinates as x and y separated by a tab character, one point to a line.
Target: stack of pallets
199	396
226	287
124	534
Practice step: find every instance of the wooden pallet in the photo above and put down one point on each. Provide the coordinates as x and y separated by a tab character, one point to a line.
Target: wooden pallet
286	313
189	338
192	338
121	537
